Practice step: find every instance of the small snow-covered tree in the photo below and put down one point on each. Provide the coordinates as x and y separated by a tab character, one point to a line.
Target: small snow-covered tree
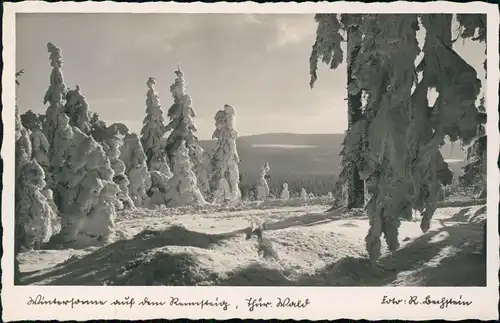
35	216
285	194
39	143
133	156
78	110
303	193
225	159
182	188
262	186
111	147
152	132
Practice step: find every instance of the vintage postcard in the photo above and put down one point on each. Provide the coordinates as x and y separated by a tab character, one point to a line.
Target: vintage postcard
243	160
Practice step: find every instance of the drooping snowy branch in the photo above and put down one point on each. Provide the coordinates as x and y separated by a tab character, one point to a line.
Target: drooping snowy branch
225	160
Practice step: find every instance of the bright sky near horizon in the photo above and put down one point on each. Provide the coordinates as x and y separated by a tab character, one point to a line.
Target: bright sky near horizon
257	63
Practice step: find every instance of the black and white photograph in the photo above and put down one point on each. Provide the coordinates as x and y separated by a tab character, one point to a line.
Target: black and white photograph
256	149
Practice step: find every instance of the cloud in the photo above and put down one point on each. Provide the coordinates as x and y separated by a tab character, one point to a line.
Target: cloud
293	29
252	19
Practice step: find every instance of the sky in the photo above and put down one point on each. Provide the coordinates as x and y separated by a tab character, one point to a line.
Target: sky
259	63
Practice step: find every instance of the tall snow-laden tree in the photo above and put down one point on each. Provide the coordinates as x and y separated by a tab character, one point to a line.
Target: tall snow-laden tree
182	127
397	138
152	132
350	185
225	159
55	96
55	93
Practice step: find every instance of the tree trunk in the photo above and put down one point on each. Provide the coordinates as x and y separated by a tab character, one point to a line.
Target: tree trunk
354	185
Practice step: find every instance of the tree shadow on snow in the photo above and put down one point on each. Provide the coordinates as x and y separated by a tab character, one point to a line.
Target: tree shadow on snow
426	261
312	219
110	261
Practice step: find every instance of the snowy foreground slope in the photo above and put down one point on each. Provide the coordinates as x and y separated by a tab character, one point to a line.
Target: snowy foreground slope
316	247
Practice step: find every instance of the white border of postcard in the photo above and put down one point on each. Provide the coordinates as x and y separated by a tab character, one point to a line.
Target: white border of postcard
325	302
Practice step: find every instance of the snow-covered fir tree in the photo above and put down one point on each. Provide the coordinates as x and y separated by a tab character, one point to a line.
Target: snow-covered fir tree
152	132
136	168
225	159
35	216
85	174
182	188
54	96
111	147
182	128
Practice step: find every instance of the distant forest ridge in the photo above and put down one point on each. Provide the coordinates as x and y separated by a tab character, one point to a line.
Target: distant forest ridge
309	160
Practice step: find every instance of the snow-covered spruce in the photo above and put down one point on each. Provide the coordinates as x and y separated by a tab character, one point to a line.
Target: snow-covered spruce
285	194
35	217
78	110
182	128
54	95
182	189
262	186
225	159
152	132
133	156
39	143
111	147
87	178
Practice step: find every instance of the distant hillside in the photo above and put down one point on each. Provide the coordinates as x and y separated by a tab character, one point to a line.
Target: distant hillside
287	153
